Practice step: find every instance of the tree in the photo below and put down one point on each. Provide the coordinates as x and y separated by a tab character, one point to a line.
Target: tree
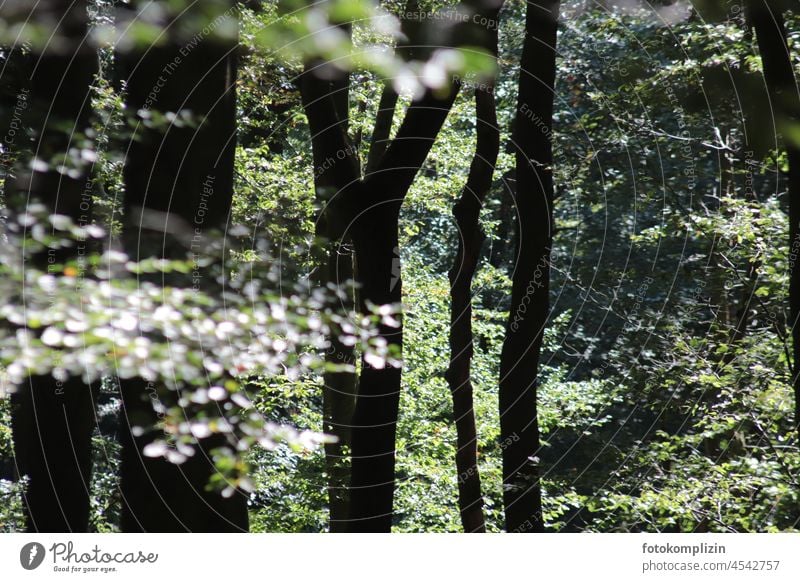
178	179
533	200
471	237
339	388
53	419
366	210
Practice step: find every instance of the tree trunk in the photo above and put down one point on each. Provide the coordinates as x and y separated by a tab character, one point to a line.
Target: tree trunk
335	162
471	237
338	402
178	181
382	128
367	211
375	233
768	22
533	197
53	421
53	424
374	422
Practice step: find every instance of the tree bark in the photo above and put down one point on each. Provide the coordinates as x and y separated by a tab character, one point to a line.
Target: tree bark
327	107
52	420
768	22
382	128
533	198
178	179
375	234
367	211
471	237
338	400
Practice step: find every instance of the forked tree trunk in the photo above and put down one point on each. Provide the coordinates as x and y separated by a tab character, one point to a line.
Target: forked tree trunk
368	213
533	198
53	421
377	201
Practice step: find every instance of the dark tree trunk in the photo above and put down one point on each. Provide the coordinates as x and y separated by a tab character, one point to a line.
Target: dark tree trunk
338	400
533	197
179	185
52	420
467	214
375	232
53	424
768	22
374	420
335	162
367	211
382	128
326	105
